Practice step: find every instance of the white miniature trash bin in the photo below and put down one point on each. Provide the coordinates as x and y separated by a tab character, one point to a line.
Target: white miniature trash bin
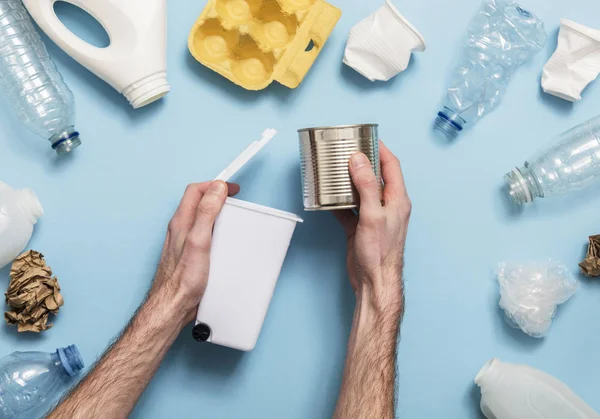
249	246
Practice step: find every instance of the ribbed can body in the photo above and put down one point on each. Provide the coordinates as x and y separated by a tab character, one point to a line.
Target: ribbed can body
325	153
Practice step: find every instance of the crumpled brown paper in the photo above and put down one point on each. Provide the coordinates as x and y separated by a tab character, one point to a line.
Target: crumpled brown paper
591	264
32	294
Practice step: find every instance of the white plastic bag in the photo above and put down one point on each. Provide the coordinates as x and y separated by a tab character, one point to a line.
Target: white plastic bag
530	294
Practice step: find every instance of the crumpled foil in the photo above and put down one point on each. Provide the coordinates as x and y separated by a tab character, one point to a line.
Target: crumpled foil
33	293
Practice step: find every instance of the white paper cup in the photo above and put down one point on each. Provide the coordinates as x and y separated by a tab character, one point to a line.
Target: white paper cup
249	245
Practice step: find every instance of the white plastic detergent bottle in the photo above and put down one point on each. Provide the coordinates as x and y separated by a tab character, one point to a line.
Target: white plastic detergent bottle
520	392
135	61
19	211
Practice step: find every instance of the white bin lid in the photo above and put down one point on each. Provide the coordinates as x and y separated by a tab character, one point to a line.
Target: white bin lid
246	155
265	210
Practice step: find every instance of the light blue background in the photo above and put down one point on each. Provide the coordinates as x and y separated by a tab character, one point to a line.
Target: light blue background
107	207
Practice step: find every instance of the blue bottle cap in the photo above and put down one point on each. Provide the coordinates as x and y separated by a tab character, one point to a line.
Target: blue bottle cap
71	359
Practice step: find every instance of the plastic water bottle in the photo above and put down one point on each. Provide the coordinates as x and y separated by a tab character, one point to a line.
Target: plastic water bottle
31	81
32	381
19	211
572	163
518	391
501	37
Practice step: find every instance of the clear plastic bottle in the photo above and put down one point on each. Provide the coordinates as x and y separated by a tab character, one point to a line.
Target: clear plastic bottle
572	163
501	37
19	212
32	381
31	81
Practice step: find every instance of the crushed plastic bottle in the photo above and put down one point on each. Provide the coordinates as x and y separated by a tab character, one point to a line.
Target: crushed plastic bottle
571	164
501	37
31	81
33	381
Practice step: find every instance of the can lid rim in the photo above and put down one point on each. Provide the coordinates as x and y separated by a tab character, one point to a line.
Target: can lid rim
338	127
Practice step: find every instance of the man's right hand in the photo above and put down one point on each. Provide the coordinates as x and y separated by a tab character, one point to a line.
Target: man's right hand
376	237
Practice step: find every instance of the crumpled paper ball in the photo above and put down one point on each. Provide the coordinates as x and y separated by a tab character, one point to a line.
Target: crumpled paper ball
591	264
32	293
531	293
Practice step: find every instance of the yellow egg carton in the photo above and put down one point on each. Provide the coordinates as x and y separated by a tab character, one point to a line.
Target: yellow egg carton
253	42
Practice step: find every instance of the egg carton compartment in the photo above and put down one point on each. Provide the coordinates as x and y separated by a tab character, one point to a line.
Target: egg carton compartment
253	42
234	53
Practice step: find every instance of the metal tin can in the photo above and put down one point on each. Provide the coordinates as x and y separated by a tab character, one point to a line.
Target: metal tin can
325	153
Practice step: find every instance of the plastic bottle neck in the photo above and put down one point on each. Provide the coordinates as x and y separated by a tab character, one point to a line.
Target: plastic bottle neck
67	361
30	205
488	373
523	187
66	140
147	90
449	122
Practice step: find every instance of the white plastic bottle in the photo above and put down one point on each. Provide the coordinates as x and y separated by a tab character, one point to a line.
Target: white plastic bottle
19	211
511	391
135	61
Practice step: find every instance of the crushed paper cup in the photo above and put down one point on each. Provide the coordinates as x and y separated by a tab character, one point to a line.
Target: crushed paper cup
574	64
380	46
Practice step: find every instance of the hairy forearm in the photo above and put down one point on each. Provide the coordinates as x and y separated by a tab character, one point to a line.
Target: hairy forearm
115	384
368	386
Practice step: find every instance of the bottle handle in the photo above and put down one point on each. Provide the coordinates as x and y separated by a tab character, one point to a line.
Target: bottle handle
42	11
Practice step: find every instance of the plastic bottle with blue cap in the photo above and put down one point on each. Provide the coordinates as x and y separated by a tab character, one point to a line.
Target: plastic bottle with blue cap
30	81
31	382
501	37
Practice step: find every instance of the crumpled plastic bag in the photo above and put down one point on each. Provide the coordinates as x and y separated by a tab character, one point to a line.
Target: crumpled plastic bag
591	264
531	293
32	293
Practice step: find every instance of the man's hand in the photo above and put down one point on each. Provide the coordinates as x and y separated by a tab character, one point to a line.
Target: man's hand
182	275
375	261
376	238
117	381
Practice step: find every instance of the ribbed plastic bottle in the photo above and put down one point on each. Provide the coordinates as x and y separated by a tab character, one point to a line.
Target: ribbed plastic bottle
31	81
571	163
501	37
31	382
19	212
520	392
